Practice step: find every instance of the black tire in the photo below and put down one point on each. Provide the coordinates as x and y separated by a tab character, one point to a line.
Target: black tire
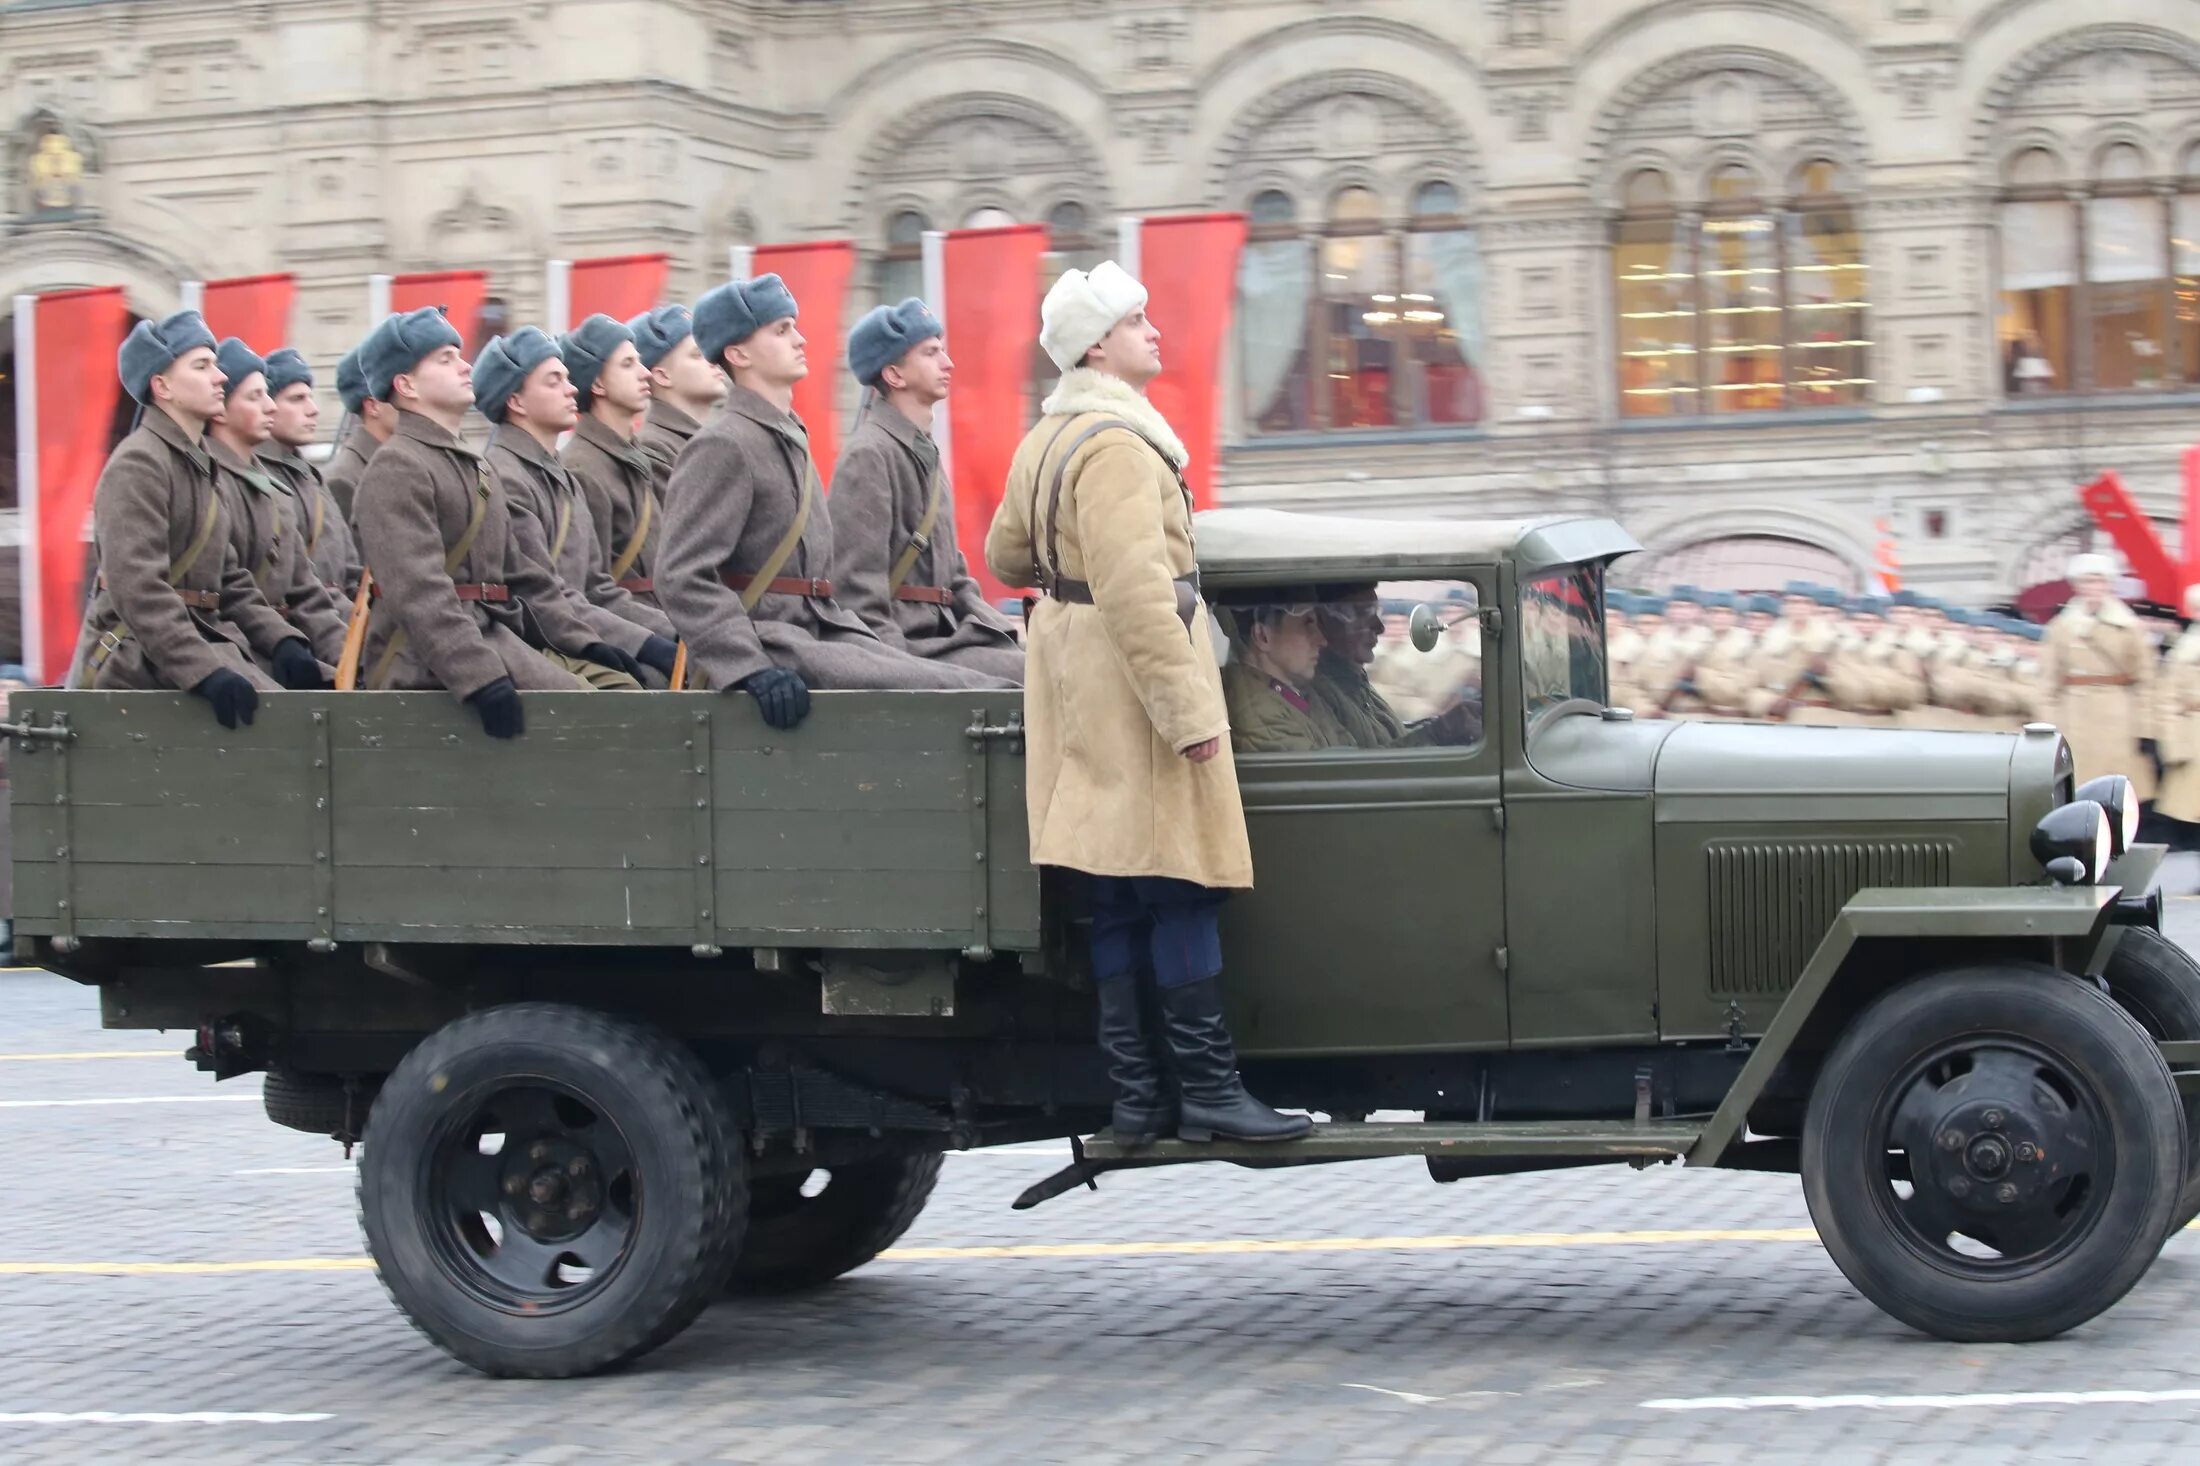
313	1103
795	1242
2058	1103
2158	983
600	1224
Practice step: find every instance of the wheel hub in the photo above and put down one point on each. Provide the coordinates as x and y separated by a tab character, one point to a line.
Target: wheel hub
552	1188
1990	1154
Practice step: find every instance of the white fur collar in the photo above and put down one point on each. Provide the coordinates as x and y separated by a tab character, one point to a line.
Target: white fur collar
2112	613
1084	390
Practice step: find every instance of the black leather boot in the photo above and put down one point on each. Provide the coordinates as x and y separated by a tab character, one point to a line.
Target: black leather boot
1143	1111
1212	1099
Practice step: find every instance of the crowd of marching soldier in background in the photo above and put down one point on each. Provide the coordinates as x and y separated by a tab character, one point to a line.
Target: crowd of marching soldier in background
2123	687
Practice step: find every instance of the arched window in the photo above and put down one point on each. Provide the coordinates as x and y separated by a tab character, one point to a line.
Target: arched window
989	219
1756	301
901	263
2098	267
1372	322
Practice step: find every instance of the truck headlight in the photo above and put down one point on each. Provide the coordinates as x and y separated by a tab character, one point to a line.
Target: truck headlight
2113	793
2077	832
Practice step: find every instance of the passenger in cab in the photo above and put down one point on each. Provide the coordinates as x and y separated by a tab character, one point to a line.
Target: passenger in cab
1276	644
1351	618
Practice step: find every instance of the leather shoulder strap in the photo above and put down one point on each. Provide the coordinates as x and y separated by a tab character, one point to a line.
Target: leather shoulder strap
922	540
776	561
210	521
1050	569
633	550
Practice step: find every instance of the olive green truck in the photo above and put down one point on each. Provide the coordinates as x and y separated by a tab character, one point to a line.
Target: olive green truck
656	1005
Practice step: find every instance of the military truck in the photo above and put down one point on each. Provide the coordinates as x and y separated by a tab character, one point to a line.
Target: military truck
656	1004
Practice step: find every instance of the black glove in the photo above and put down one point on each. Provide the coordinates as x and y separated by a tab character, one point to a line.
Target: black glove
234	697
296	668
781	696
498	704
605	655
659	652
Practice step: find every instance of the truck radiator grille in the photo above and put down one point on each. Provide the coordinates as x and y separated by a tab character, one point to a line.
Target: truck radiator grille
1772	901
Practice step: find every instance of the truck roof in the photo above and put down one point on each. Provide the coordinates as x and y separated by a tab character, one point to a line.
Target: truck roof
1248	545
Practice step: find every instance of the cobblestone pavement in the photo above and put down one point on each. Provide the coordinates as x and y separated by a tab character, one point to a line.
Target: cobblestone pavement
1402	1322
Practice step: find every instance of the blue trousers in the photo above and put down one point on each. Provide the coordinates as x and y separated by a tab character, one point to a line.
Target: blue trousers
1175	926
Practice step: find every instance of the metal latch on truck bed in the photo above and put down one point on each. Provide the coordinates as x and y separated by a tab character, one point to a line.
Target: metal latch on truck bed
60	732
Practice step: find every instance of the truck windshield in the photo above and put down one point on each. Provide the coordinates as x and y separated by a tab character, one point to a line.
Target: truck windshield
1562	638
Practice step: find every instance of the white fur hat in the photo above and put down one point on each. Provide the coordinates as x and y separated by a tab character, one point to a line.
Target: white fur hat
1082	308
2081	566
2192	603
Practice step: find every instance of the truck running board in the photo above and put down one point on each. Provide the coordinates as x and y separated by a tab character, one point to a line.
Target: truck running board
1461	1148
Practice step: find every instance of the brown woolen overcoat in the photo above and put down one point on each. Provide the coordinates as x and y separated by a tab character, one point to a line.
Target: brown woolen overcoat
1116	690
558	537
414	504
154	496
619	490
735	496
881	489
262	520
329	542
347	465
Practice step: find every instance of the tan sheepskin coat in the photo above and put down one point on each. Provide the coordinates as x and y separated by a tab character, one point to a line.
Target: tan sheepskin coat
1116	690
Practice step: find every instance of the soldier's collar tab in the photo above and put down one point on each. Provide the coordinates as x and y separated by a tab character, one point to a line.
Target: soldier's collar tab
171	432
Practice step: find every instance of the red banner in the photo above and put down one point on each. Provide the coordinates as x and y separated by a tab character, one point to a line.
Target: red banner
618	286
2114	510
255	308
991	311
78	333
459	292
1189	266
818	273
2189	544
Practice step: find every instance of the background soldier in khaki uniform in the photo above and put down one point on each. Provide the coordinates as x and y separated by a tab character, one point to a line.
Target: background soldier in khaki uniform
1669	653
521	385
2176	723
1130	777
685	387
459	602
2097	673
748	547
896	559
368	423
1645	617
173	605
262	520
1725	671
329	542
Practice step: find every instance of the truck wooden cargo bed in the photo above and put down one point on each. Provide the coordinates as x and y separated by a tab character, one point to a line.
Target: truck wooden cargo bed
888	820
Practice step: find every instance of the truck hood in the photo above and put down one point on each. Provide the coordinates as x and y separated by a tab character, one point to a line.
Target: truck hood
1714	770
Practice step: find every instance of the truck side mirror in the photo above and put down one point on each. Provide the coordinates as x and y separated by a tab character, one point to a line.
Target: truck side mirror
1426	627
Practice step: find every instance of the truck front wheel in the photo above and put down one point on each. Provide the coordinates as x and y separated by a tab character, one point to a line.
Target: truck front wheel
2157	982
1994	1154
549	1191
806	1229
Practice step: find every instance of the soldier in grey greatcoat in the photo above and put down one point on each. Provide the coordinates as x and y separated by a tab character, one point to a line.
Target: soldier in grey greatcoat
372	421
521	385
612	474
262	522
173	605
685	387
748	546
459	606
335	554
896	562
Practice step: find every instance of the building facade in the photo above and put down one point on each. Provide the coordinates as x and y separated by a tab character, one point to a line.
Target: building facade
1767	279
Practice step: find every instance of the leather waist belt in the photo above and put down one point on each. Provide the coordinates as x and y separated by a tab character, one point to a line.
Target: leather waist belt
1079	593
470	590
197	600
930	595
2084	680
640	585
819	589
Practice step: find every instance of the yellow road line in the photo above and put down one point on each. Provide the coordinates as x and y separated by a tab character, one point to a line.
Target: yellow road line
91	1054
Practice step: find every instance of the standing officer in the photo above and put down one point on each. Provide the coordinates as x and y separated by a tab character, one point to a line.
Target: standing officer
335	555
438	536
2097	674
172	607
1130	774
372	421
895	558
748	546
2177	725
262	524
617	485
521	385
685	387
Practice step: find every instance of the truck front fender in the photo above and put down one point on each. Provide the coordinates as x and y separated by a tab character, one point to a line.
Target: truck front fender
2074	918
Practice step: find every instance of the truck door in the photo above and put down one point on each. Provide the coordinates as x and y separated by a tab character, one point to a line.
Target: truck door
1377	918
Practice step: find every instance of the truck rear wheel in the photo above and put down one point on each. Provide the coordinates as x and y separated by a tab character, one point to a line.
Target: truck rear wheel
2157	982
803	1233
549	1191
1993	1155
